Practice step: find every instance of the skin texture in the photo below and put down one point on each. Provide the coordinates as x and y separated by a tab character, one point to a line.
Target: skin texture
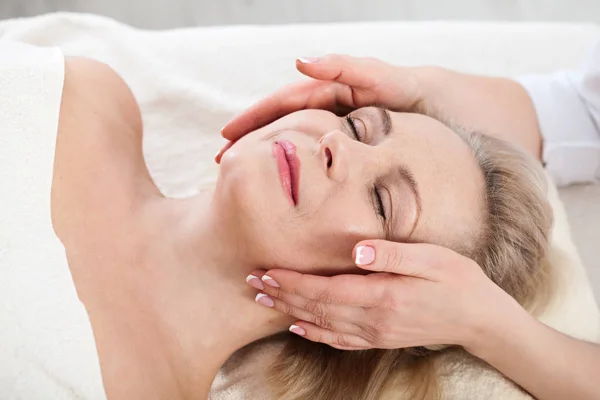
160	278
336	203
375	310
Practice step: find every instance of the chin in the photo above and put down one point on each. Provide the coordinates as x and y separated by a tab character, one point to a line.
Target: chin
249	195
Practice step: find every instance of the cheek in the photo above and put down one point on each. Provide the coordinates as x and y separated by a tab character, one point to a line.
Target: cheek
328	237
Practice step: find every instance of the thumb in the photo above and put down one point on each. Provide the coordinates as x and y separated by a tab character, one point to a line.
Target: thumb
356	72
420	260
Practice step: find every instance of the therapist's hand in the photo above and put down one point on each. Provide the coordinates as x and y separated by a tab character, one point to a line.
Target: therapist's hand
417	295
341	84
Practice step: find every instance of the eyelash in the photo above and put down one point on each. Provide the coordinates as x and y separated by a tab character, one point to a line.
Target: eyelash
352	125
378	202
376	193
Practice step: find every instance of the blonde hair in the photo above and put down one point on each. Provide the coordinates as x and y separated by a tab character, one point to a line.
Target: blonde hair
511	249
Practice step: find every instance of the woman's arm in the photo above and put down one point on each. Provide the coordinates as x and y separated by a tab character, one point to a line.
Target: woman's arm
98	157
99	179
547	363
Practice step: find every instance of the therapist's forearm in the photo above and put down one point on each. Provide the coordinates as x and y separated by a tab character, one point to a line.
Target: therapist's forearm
545	362
496	106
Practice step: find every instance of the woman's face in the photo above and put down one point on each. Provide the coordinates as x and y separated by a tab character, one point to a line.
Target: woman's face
306	188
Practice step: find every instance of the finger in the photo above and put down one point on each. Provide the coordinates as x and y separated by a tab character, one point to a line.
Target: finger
324	322
348	290
365	73
314	308
219	155
370	81
290	98
353	72
330	96
420	260
342	341
348	348
254	279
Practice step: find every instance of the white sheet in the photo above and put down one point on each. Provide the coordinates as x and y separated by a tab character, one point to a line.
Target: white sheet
188	83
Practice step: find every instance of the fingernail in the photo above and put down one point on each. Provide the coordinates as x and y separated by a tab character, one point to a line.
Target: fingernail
308	60
264	300
297	330
270	281
365	255
255	282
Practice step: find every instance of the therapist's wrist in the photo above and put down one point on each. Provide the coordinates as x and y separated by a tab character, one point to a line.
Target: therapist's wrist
429	80
497	106
505	324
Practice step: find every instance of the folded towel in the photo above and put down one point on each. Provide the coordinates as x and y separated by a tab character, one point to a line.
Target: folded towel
46	343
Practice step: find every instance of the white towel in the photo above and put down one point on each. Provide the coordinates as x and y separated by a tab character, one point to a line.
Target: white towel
188	83
46	344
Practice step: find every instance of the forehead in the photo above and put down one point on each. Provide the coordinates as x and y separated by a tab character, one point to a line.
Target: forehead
449	179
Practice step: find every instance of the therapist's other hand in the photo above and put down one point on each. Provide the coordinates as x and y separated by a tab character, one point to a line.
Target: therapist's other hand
416	295
340	84
497	106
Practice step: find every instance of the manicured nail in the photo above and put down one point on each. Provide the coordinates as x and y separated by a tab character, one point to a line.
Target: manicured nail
255	282
270	281
264	300
297	330
365	255
308	60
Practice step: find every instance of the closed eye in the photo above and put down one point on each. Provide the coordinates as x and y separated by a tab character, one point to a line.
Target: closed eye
378	202
352	126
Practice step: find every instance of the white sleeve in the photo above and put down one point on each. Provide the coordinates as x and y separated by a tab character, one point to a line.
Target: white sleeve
567	104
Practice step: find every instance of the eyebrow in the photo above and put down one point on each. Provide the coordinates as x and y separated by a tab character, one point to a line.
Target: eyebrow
403	171
407	176
386	121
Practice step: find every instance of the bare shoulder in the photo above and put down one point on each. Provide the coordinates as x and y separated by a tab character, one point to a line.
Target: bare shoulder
99	165
92	86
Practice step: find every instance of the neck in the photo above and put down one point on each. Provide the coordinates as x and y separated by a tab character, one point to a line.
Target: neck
204	239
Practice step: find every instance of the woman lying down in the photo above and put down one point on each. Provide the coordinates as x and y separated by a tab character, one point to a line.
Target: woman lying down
163	279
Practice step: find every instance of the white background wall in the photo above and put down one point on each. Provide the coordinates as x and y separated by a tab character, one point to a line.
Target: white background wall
175	13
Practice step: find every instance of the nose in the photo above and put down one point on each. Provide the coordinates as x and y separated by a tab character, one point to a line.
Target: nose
340	154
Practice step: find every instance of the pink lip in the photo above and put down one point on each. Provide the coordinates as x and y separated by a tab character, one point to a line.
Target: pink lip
288	165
